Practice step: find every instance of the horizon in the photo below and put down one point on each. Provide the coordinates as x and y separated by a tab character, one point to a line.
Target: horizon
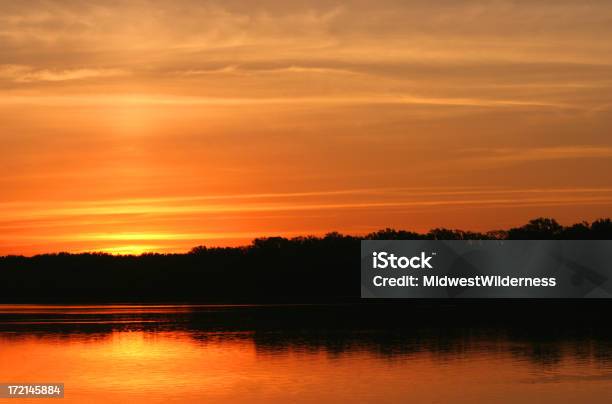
134	251
150	126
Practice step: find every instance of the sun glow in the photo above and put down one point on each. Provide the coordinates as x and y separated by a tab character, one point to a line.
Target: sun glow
132	249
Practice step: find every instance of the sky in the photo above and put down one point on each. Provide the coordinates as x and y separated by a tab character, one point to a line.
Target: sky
134	126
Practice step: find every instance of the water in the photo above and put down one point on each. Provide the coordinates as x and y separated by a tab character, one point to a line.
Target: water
296	354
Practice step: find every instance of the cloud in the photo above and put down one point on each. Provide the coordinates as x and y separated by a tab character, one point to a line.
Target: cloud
561	31
253	70
27	74
377	99
493	53
366	198
517	155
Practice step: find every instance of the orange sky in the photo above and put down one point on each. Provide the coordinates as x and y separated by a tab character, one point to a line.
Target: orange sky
158	125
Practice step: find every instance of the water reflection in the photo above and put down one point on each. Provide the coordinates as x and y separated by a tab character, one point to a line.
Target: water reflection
300	353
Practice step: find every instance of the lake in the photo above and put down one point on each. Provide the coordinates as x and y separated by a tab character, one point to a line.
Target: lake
302	353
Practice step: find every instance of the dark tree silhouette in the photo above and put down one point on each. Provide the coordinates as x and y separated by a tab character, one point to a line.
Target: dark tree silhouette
537	229
273	269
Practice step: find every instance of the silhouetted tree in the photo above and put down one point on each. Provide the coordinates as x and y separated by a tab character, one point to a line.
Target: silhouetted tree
199	250
391	234
578	231
537	229
448	234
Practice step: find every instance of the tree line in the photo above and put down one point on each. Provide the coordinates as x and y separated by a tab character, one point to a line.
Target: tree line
273	269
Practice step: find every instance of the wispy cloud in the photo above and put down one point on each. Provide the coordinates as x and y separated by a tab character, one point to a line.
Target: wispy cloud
376	99
250	70
369	198
517	155
27	74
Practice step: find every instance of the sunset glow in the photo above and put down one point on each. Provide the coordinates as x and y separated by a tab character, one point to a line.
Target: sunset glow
157	126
